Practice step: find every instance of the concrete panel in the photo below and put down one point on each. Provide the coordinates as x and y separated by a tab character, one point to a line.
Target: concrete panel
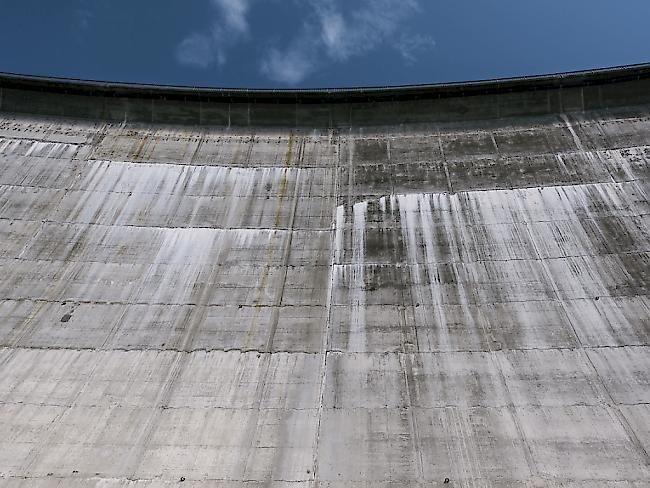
581	442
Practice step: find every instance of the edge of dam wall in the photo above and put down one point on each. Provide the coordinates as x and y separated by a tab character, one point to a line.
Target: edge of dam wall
326	108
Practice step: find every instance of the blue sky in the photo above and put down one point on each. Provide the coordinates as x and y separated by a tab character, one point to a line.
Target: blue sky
315	43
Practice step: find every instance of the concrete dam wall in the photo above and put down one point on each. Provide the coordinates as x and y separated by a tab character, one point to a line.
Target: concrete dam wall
244	289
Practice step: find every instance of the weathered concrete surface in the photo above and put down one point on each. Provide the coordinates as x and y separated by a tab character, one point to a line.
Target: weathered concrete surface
388	306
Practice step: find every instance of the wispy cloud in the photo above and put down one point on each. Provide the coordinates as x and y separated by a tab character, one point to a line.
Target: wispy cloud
410	46
234	13
196	50
372	23
84	14
333	31
290	66
345	34
84	17
202	49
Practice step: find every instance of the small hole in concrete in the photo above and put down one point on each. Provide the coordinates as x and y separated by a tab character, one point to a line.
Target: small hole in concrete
66	317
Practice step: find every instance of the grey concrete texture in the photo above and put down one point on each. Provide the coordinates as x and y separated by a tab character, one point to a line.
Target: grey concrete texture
390	306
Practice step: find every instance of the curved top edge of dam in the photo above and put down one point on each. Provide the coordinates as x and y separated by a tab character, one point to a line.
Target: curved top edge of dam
327	107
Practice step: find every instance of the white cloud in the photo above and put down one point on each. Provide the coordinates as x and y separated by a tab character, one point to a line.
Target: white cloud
234	13
333	31
290	66
196	50
410	46
372	23
344	34
202	49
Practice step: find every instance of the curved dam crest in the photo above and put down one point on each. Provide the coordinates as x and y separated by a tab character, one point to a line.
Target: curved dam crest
458	297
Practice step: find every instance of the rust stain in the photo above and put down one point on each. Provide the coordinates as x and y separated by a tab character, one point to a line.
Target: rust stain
264	278
140	148
156	139
287	158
